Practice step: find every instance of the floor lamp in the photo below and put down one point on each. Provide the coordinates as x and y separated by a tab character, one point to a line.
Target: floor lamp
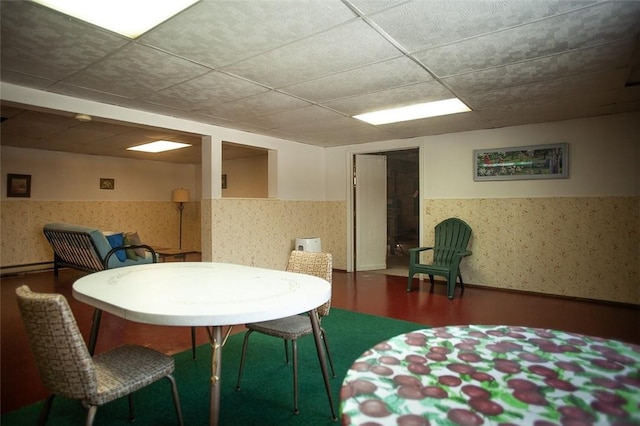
181	196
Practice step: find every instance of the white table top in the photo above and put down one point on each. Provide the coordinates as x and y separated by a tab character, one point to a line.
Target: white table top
200	293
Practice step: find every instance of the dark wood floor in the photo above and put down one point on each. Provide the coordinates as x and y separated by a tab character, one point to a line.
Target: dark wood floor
371	293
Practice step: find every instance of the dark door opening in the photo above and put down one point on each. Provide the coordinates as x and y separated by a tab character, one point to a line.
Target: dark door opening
403	208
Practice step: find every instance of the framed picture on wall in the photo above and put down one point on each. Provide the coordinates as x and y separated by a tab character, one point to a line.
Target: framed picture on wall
18	185
107	183
522	162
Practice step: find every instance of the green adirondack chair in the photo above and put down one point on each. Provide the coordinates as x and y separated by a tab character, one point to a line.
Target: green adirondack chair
452	237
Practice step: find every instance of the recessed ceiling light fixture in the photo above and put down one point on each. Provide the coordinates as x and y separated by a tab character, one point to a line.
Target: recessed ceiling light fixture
414	112
82	117
131	18
158	146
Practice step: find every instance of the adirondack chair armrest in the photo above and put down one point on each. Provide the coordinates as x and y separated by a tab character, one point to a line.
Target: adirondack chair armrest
414	254
419	249
464	253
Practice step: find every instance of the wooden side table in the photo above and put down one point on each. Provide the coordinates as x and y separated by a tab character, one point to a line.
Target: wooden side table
167	254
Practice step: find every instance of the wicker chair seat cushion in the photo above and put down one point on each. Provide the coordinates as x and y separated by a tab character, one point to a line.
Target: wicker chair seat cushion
125	369
289	328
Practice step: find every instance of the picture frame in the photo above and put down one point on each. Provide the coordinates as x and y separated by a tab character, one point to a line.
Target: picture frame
18	185
107	183
522	162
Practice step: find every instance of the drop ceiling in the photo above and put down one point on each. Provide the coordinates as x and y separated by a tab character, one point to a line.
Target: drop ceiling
300	69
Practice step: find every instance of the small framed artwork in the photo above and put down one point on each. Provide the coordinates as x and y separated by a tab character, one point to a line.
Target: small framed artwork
106	183
224	181
522	162
18	185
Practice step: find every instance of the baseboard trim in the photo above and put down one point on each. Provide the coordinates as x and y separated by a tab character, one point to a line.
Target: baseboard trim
6	271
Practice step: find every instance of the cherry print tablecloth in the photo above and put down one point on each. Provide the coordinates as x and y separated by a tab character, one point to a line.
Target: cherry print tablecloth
494	375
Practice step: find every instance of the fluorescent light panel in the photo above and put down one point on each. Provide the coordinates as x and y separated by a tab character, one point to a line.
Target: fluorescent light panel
158	146
131	18
414	112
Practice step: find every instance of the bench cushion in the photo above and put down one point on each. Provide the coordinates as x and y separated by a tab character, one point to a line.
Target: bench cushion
101	243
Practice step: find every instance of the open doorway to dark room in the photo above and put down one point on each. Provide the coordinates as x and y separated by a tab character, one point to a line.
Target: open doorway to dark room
403	208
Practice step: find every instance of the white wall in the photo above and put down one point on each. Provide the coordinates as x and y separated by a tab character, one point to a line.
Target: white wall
604	160
300	167
246	177
72	177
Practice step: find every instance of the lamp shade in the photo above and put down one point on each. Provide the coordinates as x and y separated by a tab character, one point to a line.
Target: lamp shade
180	195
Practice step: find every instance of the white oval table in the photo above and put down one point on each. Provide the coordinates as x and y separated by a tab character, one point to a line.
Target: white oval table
207	294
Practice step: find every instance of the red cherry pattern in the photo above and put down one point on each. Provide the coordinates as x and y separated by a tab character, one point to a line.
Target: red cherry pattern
474	375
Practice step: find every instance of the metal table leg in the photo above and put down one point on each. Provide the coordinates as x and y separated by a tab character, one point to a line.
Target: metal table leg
323	365
216	341
95	326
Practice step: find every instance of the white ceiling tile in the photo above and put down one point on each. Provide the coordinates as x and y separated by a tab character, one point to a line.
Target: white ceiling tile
89	94
368	7
252	106
370	78
392	98
285	61
135	71
26	80
465	121
341	48
205	91
608	80
218	33
309	114
558	104
39	42
588	60
588	27
420	24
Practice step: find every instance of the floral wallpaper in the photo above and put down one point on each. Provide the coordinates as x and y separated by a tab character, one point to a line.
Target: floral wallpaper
22	241
262	232
578	247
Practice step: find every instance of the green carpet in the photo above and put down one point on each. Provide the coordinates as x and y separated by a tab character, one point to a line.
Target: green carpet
266	397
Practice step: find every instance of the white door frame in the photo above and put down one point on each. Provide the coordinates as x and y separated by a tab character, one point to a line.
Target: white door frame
350	199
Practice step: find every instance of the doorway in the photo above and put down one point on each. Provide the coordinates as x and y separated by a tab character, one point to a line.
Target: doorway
403	208
402	212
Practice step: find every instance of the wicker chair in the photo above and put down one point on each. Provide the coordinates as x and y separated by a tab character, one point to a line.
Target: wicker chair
296	326
67	369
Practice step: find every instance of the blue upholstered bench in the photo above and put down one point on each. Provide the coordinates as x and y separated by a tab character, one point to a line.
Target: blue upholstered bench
89	249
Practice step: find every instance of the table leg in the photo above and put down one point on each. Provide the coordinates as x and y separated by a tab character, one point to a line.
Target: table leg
95	326
315	325
217	342
215	338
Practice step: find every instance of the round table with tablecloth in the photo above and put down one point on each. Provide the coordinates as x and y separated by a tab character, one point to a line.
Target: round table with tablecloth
494	375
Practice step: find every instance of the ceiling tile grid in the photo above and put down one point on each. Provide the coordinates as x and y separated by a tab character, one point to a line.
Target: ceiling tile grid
205	91
339	49
136	71
585	28
40	42
389	74
220	33
299	69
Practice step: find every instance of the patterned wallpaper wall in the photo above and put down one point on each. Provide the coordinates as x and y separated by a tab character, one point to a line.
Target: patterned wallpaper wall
157	223
262	232
578	247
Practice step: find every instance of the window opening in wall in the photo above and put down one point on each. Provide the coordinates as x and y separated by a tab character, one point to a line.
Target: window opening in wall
245	170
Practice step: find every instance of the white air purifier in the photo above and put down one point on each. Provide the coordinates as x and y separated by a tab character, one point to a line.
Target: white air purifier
311	244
